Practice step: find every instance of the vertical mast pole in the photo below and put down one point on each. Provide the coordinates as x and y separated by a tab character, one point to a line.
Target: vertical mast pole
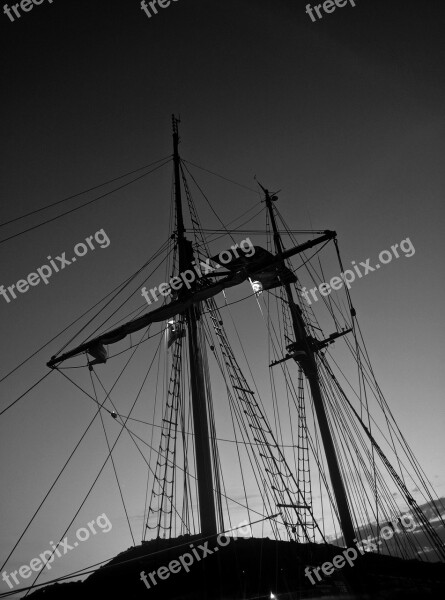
311	372
204	469
180	230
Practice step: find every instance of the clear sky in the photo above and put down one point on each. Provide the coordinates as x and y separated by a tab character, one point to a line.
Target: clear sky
345	115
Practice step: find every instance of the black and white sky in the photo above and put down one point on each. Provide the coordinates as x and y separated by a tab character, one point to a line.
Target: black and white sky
345	115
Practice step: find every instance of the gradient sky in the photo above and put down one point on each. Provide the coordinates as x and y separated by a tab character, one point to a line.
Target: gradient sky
344	115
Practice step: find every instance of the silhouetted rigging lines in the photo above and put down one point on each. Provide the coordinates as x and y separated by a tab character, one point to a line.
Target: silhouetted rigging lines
89	202
259	423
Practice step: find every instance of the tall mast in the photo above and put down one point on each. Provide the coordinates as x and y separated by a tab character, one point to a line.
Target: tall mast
309	366
180	230
197	383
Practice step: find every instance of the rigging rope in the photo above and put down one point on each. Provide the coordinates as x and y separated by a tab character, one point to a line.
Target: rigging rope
11	237
122	287
66	328
222	177
107	458
50	489
88	570
112	458
33	212
24	393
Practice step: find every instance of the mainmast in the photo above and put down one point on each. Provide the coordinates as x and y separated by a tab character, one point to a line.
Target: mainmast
308	362
199	397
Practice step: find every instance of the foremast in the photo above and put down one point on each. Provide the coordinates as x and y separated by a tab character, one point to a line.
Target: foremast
204	468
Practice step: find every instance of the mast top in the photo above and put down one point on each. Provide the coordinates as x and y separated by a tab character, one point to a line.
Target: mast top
269	196
178	200
175	122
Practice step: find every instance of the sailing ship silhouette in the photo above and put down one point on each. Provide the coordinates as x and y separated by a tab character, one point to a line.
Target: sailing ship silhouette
306	430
